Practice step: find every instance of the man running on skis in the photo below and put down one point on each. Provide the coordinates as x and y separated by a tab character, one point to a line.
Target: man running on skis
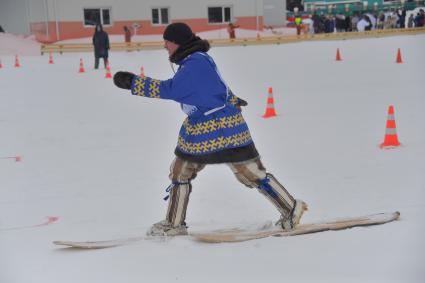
214	131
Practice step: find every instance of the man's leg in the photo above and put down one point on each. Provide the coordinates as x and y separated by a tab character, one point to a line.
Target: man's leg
253	175
96	62
181	173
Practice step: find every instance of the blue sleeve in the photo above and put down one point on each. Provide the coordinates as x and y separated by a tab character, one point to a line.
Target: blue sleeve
195	83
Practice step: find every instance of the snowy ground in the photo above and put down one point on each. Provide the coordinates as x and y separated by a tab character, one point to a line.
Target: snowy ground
98	158
11	44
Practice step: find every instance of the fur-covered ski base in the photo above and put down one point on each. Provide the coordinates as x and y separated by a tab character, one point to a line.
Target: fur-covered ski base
339	224
241	234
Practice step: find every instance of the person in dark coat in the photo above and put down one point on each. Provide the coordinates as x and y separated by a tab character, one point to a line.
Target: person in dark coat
402	18
101	46
214	131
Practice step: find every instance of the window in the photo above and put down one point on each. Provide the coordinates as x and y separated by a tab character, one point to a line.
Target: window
160	16
94	16
219	14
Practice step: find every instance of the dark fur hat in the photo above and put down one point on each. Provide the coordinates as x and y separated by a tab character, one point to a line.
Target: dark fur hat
179	33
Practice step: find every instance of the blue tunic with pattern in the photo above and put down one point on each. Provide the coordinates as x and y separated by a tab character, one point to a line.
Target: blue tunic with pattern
213	123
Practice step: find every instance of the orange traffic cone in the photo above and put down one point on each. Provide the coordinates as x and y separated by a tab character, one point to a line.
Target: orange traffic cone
17	65
398	60
142	72
108	72
81	66
1	65
338	55
391	139
270	112
51	58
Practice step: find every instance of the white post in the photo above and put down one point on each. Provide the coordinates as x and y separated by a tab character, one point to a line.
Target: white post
27	6
257	20
56	20
46	10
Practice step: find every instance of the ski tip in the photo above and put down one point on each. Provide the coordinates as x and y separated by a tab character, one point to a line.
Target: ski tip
83	245
397	215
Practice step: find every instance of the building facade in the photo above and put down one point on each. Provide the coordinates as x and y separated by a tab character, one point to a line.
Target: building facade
54	20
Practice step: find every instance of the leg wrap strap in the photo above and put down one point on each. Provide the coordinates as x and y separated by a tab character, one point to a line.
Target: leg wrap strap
177	204
277	194
265	186
171	186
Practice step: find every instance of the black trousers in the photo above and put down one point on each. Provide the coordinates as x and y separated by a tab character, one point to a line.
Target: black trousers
96	62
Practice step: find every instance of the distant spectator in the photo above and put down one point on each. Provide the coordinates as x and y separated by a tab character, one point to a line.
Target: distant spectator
316	23
401	18
1	29
231	30
395	20
329	24
372	20
127	34
388	23
367	18
363	24
419	19
348	23
381	21
308	25
340	23
354	21
298	21
101	46
411	21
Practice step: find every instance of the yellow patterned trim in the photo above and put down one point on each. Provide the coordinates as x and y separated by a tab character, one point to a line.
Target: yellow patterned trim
213	125
154	88
139	87
214	144
233	99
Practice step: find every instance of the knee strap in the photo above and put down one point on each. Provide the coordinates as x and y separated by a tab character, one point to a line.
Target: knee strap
265	186
173	185
277	194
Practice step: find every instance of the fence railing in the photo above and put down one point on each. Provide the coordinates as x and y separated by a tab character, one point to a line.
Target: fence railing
88	47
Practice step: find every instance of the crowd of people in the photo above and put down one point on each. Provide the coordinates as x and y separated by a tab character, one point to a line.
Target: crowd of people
360	21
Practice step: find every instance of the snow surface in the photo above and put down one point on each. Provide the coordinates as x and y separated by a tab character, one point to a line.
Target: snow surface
97	158
11	44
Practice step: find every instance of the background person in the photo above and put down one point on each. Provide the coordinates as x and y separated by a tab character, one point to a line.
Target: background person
101	46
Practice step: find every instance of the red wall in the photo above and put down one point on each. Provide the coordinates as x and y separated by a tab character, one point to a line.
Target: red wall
70	30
